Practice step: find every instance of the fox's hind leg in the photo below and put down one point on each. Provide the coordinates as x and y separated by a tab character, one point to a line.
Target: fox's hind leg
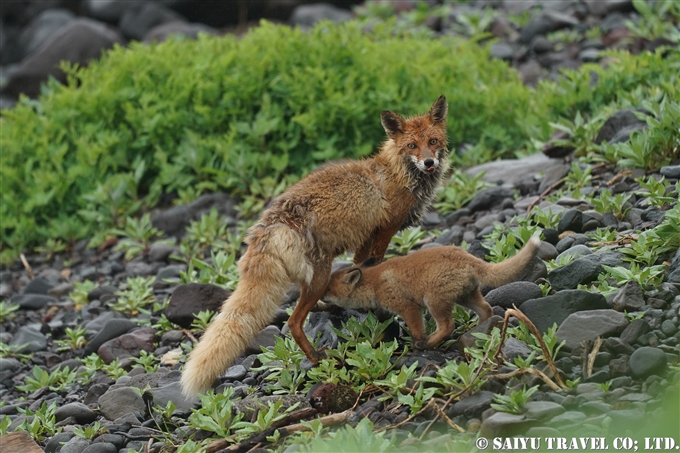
440	309
477	304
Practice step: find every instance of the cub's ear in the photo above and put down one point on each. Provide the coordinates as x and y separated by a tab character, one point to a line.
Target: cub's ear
352	277
392	123
439	110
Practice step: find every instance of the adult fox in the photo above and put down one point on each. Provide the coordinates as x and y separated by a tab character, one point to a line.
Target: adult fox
435	278
355	205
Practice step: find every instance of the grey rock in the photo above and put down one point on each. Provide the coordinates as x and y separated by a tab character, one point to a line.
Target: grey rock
546	22
118	402
190	299
100	291
42	27
101	447
671	171
80	412
568	417
265	338
515	293
627	417
78	42
668	327
31	337
646	361
547	251
175	220
576	251
160	251
128	345
618	346
629	298
553	174
488	198
513	170
162	32
620	121
546	311
308	15
502	50
173	392
61	289
578	272
134	268
138	19
75	445
603	7
590	55
590	324
501	424
515	348
472	406
624	134
9	364
634	330
33	301
57	440
116	439
467	340
94	392
543	410
170	272
38	285
112	329
571	220
235	373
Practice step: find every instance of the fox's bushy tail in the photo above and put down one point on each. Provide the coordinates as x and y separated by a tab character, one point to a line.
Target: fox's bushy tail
268	267
498	274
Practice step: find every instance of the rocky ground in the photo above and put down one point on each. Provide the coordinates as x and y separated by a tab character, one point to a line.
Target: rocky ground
626	379
639	329
538	38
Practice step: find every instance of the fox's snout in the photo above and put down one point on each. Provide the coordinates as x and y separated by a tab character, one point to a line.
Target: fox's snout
426	165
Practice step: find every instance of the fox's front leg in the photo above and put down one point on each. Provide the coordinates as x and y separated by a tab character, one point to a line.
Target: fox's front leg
364	252
381	241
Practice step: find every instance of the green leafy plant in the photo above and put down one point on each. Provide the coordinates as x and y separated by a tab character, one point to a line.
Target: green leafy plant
222	271
656	191
215	413
57	380
75	339
372	363
147	361
514	401
358	438
80	292
202	319
651	275
51	248
404	241
90	431
136	297
41	423
369	329
138	236
616	204
7	310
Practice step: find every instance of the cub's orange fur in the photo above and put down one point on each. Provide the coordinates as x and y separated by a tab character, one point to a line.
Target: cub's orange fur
355	206
435	278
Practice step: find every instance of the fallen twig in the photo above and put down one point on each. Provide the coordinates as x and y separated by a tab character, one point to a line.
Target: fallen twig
530	325
546	192
190	335
258	439
544	377
592	356
27	266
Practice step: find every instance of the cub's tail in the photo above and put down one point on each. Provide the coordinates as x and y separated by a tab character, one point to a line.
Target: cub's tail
499	274
273	260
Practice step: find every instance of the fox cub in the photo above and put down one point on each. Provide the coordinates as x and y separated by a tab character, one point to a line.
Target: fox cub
435	278
343	206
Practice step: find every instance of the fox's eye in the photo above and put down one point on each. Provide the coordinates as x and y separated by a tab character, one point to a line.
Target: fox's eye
433	141
412	145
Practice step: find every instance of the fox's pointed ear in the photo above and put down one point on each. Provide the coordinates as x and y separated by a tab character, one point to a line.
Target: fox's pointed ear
392	123
352	277
439	110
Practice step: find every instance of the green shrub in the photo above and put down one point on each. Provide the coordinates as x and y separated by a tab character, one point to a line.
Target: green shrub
220	112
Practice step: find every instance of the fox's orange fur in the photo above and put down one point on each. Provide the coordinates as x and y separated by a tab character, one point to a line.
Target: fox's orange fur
355	206
435	278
